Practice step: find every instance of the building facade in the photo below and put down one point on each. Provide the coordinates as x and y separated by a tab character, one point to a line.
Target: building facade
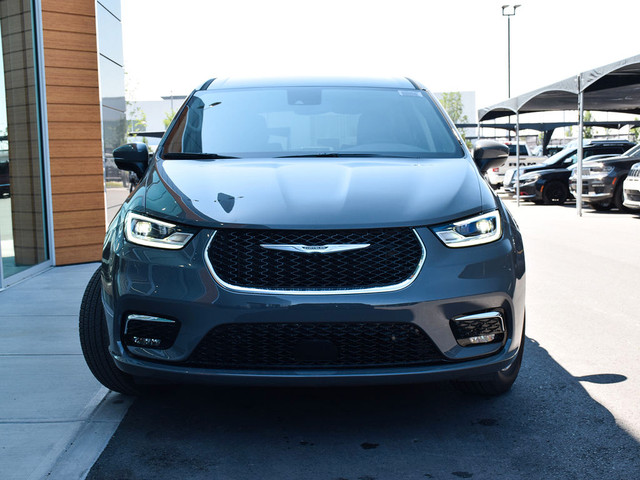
52	125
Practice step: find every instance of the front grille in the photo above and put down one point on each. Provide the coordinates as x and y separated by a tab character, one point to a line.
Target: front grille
634	172
314	345
237	259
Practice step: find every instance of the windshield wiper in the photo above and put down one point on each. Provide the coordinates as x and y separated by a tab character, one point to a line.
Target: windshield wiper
345	154
193	156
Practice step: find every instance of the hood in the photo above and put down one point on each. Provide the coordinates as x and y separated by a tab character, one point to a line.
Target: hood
315	193
534	168
618	160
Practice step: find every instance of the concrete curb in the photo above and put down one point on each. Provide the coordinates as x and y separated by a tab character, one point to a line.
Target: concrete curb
77	455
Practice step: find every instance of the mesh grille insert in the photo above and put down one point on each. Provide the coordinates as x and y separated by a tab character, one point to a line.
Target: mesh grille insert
238	259
314	345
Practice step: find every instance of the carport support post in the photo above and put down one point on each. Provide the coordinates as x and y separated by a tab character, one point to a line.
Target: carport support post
580	149
518	157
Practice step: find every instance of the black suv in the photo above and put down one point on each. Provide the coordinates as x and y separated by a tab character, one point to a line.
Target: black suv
602	180
557	186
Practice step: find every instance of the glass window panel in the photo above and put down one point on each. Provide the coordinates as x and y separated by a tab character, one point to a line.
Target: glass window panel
22	222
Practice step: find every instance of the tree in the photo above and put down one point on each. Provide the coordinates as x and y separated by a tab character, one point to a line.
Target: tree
634	131
136	117
168	118
452	103
568	131
138	121
588	131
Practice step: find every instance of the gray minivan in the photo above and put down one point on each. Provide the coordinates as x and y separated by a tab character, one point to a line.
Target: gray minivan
308	231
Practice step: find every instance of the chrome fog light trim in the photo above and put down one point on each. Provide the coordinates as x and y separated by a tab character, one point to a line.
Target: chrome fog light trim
146	318
478	328
150	331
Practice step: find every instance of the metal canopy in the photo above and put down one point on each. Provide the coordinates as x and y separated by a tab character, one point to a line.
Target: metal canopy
611	88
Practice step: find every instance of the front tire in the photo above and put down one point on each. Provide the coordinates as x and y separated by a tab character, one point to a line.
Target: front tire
496	383
555	193
94	339
601	206
618	197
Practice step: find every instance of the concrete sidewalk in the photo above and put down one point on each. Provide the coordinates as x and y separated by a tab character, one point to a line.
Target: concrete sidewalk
55	418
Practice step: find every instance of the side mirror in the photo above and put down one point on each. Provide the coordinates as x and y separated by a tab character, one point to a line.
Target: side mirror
133	157
489	154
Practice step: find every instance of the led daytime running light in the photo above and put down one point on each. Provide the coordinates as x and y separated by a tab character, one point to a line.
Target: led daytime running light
150	232
478	230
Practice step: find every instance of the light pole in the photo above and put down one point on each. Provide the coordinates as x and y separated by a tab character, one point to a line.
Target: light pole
509	14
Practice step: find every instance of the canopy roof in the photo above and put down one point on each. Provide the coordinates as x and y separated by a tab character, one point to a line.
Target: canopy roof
611	88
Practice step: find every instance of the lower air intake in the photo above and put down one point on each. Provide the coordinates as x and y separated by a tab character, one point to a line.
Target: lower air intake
314	345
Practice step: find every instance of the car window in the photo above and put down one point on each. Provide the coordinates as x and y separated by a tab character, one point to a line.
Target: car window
512	149
556	157
632	152
278	121
571	159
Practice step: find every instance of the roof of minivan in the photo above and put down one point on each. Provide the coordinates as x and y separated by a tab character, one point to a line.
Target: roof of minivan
242	82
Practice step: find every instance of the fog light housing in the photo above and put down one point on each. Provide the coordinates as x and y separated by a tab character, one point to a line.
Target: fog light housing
478	328
148	331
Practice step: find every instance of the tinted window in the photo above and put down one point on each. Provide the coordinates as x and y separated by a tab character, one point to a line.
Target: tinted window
306	120
571	159
512	150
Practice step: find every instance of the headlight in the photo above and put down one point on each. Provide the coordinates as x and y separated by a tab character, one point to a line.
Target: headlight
529	179
472	231
155	233
597	170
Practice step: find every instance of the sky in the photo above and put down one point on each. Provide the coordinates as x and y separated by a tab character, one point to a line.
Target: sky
172	46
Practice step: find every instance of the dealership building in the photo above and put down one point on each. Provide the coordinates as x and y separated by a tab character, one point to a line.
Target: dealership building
62	111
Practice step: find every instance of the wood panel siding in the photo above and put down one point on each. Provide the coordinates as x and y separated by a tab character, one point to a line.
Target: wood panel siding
75	135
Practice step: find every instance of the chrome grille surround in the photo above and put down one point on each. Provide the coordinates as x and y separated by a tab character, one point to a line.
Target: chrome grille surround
379	289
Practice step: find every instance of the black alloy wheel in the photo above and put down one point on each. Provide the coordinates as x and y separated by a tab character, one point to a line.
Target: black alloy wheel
554	193
601	206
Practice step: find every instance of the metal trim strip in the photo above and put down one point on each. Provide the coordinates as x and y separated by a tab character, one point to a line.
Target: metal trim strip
388	288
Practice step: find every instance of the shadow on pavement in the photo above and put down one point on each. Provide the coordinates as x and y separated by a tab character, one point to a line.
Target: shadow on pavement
546	427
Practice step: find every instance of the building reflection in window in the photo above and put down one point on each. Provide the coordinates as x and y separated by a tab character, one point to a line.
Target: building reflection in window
22	219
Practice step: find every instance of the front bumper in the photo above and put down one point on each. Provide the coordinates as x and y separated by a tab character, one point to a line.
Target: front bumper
179	285
529	192
595	189
631	192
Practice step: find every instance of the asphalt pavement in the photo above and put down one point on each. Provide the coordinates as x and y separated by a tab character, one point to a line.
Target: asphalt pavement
573	412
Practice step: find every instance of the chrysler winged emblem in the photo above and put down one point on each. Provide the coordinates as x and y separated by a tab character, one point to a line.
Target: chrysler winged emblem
315	248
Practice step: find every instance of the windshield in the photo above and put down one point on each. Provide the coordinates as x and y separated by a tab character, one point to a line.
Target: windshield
303	121
557	156
632	152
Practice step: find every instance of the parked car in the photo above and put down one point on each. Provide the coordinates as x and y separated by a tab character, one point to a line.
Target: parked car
319	231
549	186
567	157
602	180
495	176
631	188
551	150
546	186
